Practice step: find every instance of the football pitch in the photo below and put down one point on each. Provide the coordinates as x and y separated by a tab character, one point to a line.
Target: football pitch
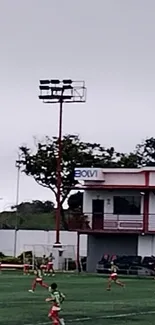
87	301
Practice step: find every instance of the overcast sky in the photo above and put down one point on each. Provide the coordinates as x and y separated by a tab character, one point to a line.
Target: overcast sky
108	43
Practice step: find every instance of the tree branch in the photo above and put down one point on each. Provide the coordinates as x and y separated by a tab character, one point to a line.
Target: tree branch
46	186
64	197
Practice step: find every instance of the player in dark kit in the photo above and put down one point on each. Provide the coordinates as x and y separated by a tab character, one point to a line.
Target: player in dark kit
56	298
38	280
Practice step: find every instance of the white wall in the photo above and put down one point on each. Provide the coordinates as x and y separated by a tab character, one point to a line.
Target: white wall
108	204
152	178
7	238
146	245
38	237
124	178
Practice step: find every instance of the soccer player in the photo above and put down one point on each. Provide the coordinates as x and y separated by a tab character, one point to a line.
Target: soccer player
38	280
114	277
56	298
50	269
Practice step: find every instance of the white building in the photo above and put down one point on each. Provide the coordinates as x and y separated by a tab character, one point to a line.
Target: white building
120	207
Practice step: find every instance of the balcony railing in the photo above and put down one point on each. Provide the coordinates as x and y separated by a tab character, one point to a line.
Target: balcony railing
123	224
107	222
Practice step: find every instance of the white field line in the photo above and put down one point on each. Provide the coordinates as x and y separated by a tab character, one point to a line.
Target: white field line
82	319
84	302
111	302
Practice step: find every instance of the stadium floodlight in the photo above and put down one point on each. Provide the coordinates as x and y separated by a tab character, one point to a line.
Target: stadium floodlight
55	81
44	82
67	90
67	81
61	91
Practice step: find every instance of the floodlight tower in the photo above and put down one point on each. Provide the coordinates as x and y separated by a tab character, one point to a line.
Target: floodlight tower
61	91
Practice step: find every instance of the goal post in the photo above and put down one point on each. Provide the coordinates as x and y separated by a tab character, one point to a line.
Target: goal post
64	257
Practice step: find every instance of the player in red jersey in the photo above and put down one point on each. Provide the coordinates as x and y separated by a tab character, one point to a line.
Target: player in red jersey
26	267
38	280
56	298
50	269
114	277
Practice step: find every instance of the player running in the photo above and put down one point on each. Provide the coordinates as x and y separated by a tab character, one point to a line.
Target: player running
113	277
38	280
56	298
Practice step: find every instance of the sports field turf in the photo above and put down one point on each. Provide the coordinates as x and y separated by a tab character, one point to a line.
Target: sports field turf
87	301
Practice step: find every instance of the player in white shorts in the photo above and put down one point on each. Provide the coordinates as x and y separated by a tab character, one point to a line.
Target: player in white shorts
114	276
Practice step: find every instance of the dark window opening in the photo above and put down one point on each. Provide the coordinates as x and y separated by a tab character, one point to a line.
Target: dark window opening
127	205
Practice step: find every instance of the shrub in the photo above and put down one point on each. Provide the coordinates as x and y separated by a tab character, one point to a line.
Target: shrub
10	260
27	254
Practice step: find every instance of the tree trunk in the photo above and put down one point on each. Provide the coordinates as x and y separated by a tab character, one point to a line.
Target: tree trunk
64	220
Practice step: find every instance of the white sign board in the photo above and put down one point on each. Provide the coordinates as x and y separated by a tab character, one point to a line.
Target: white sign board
88	174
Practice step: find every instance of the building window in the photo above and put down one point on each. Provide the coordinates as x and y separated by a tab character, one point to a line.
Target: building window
127	205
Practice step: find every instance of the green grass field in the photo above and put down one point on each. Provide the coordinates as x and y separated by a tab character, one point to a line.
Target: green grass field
87	301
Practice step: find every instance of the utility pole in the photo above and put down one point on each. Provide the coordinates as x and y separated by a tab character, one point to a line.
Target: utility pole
17	202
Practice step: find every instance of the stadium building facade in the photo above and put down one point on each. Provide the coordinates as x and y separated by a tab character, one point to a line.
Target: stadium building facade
120	209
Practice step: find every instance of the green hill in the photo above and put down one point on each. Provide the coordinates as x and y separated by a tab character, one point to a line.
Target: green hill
39	221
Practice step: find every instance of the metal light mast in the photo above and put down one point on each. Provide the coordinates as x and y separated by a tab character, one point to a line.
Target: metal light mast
61	91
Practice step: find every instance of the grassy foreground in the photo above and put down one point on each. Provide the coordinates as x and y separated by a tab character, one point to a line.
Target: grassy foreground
87	301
